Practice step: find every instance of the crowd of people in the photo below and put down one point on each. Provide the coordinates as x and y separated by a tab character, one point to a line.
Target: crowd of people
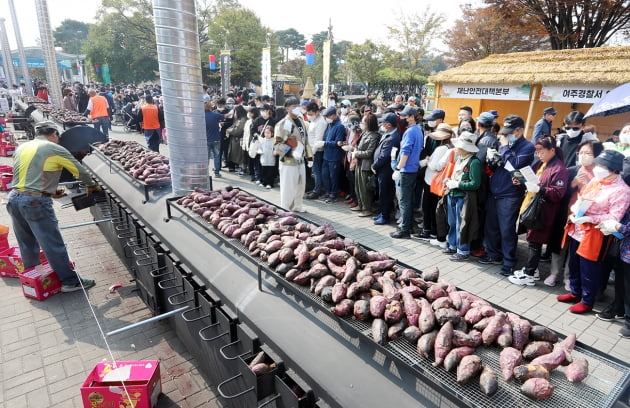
465	189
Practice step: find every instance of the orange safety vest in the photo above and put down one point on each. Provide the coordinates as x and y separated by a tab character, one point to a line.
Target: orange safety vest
150	117
99	107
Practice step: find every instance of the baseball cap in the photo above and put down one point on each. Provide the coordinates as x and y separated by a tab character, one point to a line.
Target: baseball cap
436	114
409	111
550	111
331	110
512	122
486	119
390	118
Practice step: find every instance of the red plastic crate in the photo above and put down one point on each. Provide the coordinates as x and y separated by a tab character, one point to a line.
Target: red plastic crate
40	282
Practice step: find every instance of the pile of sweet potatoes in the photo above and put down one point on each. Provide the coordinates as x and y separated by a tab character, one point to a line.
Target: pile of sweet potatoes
142	164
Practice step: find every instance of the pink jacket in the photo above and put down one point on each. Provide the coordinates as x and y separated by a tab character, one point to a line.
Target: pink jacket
610	201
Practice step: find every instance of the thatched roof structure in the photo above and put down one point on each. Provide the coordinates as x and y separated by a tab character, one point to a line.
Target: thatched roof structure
604	66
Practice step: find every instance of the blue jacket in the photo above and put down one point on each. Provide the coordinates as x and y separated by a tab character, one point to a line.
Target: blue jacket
519	155
335	132
411	146
382	154
541	128
212	126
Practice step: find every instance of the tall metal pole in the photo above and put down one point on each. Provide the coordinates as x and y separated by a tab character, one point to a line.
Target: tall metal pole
179	59
48	48
6	54
20	47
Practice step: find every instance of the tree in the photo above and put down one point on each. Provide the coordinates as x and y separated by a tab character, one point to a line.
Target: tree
365	60
481	32
414	33
571	23
70	35
241	31
290	39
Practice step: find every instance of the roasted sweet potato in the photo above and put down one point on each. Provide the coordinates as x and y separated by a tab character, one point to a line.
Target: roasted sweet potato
577	370
509	358
537	388
524	372
488	381
454	356
468	368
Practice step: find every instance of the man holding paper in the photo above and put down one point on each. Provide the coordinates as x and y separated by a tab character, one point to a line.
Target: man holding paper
505	197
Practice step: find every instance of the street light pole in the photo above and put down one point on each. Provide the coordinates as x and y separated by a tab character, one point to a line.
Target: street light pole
20	47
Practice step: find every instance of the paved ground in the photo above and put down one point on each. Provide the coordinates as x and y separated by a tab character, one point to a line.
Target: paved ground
52	345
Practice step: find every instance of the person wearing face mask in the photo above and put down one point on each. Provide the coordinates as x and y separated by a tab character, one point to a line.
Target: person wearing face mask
390	138
291	139
407	169
606	197
253	165
352	138
505	198
316	131
574	136
334	139
344	112
435	118
624	140
363	155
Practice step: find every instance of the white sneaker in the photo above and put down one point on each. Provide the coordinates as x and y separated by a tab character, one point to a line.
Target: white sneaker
301	210
567	285
522	279
268	187
437	243
550	280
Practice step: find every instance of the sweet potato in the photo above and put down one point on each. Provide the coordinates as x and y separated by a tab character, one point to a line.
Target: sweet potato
361	309
412	334
520	331
470	339
379	266
339	292
509	358
273	260
446	314
434	292
319	250
426	320
488	381
361	286
403	275
505	337
431	275
302	255
473	315
326	292
537	389
325	281
344	308
377	306
442	302
376	256
318	271
542	333
454	356
413	290
426	343
443	343
286	255
339	258
389	289
577	370
338	271
468	368
421	283
552	360
482	324
393	312
379	331
536	349
272	246
259	358
351	269
492	331
523	373
301	279
396	330
412	310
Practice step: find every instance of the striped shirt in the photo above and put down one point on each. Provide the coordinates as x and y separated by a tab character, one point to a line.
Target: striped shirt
37	166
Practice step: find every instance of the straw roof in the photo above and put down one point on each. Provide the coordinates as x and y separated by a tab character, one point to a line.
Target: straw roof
604	65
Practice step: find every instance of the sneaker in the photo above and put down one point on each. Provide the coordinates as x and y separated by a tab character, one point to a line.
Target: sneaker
507	271
268	187
330	200
312	195
521	278
625	332
85	283
536	275
365	213
457	257
611	278
356	208
424	235
217	175
479	253
400	234
550	280
449	251
487	260
567	285
568	298
608	315
381	221
441	244
323	197
258	183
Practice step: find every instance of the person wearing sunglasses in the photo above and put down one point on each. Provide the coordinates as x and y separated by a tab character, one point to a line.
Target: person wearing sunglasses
37	166
573	137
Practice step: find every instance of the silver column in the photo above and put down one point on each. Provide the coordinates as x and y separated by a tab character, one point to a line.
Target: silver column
20	47
48	48
6	54
180	75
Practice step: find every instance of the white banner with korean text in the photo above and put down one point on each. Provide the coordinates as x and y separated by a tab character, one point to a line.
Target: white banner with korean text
486	91
573	93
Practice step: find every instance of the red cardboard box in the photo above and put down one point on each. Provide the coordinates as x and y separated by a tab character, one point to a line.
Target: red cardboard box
6	150
11	265
40	282
104	385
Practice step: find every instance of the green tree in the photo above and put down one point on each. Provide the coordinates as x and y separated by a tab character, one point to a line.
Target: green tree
570	23
364	61
70	35
414	33
290	39
241	31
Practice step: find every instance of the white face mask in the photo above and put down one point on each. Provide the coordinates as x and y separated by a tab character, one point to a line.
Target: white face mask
297	111
383	129
264	114
431	123
310	117
249	115
600	172
585	159
363	127
624	139
329	120
573	133
344	111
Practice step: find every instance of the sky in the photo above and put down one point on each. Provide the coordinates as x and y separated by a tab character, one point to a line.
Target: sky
351	21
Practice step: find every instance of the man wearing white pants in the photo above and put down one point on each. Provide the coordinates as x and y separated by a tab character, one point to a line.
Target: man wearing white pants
291	142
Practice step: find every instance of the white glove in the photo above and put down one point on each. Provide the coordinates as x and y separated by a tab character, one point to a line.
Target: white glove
491	154
608	227
396	175
452	184
581	220
394	152
353	154
424	162
532	187
319	144
309	163
347	148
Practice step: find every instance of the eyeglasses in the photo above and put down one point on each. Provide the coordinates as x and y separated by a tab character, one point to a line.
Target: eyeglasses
572	128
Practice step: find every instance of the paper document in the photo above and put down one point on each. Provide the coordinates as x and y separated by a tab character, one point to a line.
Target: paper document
526	174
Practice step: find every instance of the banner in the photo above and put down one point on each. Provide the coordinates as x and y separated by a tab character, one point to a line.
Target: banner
225	72
573	93
265	72
486	91
326	73
105	73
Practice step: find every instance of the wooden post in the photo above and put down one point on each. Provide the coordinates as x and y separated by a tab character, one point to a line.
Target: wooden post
533	96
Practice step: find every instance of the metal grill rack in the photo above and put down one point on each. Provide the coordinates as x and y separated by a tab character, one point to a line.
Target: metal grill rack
606	381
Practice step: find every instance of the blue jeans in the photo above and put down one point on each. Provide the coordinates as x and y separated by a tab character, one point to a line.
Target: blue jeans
214	152
35	226
153	138
454	209
500	228
330	176
102	124
407	186
318	162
